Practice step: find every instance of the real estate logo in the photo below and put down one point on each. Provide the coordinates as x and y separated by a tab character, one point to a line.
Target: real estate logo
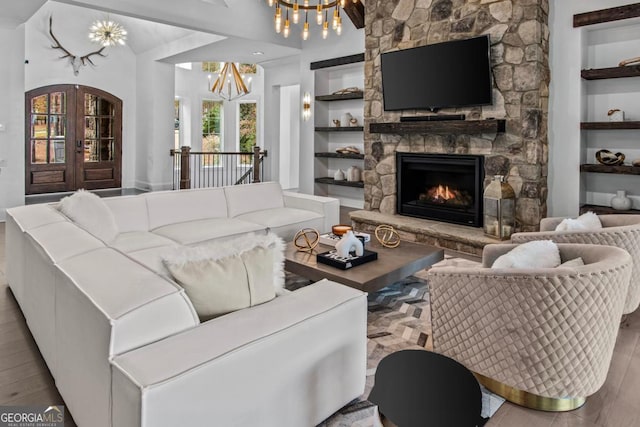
32	416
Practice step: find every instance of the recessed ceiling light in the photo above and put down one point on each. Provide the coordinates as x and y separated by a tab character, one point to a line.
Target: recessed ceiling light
257	53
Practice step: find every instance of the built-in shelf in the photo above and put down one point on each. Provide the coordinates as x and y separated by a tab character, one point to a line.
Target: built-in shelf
627	124
604	210
620	170
340	129
611	73
607	15
445	127
334	62
340	97
340	155
331	181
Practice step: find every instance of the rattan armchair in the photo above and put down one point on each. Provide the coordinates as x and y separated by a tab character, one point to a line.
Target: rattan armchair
622	231
541	338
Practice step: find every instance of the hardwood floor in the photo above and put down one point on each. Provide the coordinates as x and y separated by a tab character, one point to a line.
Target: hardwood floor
25	379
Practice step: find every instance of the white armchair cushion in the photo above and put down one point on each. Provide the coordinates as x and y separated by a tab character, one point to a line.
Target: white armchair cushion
536	254
90	212
586	221
231	275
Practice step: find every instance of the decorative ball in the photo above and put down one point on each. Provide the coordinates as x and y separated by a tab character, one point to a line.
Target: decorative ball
306	239
387	236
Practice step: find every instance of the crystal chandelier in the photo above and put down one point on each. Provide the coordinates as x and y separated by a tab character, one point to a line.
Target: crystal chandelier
230	84
107	33
321	8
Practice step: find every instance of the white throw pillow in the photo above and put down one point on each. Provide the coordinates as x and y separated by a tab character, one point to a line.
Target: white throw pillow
536	254
576	262
586	221
230	275
91	213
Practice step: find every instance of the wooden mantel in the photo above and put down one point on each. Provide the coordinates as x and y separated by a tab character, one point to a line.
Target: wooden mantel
441	127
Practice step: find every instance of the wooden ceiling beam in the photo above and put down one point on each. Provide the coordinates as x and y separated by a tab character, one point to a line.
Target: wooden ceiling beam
355	12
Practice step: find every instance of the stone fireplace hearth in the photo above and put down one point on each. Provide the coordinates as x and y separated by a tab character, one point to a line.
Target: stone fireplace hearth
519	54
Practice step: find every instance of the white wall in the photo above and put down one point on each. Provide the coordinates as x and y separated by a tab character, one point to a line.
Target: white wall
113	74
290	99
12	118
569	100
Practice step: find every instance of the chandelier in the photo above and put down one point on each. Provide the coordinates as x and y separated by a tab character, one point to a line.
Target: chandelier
230	83
107	33
295	8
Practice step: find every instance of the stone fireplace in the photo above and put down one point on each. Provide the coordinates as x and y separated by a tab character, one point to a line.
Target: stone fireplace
443	187
519	54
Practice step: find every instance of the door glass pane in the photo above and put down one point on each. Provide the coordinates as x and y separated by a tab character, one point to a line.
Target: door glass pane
106	108
106	128
38	126
90	105
39	151
90	150
56	151
106	150
57	126
57	103
39	104
90	128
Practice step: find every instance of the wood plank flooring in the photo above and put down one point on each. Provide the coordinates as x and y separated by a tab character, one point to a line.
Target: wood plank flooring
25	379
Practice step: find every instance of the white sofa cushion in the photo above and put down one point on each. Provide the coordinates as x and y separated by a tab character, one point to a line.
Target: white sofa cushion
188	233
139	240
129	212
242	199
32	216
231	275
536	254
171	207
285	222
152	258
90	212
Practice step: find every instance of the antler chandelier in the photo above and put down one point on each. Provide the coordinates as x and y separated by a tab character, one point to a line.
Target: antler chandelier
295	8
107	33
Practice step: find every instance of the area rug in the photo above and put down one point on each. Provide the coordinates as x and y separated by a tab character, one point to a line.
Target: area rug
399	318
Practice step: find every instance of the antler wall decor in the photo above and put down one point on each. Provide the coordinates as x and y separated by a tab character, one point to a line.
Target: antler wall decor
75	61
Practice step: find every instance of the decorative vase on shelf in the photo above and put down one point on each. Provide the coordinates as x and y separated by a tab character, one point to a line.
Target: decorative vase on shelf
346	119
620	201
353	174
339	175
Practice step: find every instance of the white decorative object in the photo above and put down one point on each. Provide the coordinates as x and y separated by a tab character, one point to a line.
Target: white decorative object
346	119
339	175
620	201
88	211
353	174
349	243
536	254
586	221
616	115
353	122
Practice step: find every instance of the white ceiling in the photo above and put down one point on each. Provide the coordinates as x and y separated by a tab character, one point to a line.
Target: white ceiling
14	12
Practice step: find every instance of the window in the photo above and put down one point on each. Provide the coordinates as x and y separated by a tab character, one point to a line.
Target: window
247	128
176	123
248	68
211	131
211	67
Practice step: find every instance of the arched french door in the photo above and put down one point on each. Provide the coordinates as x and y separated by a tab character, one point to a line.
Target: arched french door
73	139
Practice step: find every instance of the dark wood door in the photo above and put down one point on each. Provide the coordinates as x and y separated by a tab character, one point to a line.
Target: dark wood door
73	139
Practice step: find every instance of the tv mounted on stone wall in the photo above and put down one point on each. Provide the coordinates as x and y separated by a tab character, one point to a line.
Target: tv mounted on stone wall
442	75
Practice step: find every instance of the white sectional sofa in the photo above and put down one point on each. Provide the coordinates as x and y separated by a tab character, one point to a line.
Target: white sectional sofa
123	341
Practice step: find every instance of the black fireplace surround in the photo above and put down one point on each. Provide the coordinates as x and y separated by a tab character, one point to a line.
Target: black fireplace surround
442	187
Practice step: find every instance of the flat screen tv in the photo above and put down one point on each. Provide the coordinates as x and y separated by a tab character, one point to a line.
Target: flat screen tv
443	75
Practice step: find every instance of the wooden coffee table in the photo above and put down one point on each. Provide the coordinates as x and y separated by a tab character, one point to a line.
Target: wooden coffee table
391	266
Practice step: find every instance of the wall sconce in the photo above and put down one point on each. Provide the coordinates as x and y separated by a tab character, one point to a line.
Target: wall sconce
306	106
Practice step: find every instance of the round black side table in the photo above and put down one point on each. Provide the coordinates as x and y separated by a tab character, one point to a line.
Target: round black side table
417	388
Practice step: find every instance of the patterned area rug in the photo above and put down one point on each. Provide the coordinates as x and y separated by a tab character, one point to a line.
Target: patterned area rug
399	319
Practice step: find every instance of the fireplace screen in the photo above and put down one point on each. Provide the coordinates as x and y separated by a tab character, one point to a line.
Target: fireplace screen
444	187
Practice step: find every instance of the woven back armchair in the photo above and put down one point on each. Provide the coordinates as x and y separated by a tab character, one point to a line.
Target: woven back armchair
541	338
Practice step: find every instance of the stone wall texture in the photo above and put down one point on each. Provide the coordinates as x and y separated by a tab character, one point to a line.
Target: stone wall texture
520	46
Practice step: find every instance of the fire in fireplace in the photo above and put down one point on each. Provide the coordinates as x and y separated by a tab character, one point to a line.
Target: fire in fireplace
444	187
442	194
